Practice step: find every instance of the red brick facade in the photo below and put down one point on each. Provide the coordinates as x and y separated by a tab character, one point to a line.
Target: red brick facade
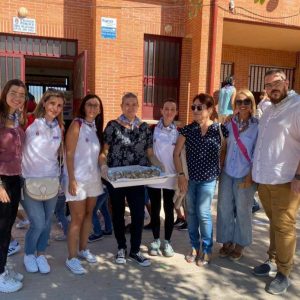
116	66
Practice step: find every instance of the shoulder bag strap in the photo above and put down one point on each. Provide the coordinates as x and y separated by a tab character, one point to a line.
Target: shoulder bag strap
239	142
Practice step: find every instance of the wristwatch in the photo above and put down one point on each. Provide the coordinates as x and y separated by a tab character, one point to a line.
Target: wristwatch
297	176
180	174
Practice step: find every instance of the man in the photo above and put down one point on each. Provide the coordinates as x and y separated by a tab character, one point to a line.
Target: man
276	168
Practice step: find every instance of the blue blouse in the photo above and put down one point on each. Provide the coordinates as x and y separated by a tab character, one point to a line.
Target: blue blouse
203	152
236	165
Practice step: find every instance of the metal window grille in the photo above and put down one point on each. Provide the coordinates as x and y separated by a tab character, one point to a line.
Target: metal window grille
37	46
226	70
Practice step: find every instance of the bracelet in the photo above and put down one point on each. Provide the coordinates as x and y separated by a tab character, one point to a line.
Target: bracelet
297	176
180	174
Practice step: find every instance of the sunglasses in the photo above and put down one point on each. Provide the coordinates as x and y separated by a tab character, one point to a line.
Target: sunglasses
246	102
198	107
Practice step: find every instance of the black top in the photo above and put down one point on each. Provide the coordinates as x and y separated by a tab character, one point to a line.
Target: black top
203	152
127	146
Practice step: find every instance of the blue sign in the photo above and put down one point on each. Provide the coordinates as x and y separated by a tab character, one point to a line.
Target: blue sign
108	28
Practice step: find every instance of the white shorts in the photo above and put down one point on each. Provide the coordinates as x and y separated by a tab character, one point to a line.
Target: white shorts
84	190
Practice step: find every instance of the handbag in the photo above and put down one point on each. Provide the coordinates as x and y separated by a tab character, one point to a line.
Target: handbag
45	188
42	189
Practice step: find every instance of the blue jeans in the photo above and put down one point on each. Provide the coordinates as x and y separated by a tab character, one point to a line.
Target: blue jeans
199	197
102	204
234	219
60	212
39	214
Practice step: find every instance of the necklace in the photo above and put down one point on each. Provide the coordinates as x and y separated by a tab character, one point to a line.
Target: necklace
90	124
242	124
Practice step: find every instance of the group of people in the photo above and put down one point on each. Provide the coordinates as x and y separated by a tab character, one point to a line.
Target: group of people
244	153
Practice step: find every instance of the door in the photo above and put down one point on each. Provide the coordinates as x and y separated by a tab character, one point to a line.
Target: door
161	73
12	66
79	79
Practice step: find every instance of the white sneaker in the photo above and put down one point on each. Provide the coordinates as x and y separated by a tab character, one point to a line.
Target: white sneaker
22	224
8	284
121	256
13	274
13	248
75	266
88	256
30	263
42	264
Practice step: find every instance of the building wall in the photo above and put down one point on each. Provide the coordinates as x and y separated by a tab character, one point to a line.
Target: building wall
116	66
68	19
243	57
119	63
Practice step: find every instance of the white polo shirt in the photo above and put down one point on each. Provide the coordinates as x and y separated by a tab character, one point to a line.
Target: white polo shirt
40	150
277	151
164	141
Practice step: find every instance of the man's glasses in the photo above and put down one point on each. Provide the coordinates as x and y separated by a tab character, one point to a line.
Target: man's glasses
246	102
273	84
198	107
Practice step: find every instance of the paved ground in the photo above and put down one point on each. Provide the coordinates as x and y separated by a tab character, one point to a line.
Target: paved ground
166	278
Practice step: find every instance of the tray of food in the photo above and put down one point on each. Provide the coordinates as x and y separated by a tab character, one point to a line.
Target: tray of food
136	175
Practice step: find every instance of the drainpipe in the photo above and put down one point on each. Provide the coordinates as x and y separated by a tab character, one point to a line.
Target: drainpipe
212	55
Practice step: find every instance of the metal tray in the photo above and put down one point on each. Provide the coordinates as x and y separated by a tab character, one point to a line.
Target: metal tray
125	182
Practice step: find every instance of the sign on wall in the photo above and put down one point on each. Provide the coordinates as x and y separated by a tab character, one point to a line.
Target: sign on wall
108	28
24	25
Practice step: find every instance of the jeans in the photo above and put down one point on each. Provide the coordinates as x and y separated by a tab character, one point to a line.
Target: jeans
281	206
155	198
102	204
199	197
234	218
60	213
8	212
39	214
135	197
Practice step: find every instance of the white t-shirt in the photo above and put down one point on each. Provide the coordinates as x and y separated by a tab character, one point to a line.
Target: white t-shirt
40	150
164	141
277	150
86	165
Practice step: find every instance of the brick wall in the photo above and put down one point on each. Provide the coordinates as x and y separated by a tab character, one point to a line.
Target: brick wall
68	19
244	57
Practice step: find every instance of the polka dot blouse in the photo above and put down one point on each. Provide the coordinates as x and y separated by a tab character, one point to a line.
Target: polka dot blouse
203	152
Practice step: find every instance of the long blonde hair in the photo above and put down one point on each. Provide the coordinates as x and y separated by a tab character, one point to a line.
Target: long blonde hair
39	111
249	96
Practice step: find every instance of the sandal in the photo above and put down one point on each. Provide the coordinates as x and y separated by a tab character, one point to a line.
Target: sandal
226	249
192	256
203	260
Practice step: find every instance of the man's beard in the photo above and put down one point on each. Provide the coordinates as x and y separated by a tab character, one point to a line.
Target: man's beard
276	100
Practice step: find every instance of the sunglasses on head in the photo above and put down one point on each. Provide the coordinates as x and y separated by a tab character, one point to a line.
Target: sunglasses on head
245	102
198	107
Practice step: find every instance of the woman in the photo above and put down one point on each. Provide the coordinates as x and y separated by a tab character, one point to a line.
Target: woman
236	189
164	139
226	97
128	141
40	160
82	178
202	140
12	137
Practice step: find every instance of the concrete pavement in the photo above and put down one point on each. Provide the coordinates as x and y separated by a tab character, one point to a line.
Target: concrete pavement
166	278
